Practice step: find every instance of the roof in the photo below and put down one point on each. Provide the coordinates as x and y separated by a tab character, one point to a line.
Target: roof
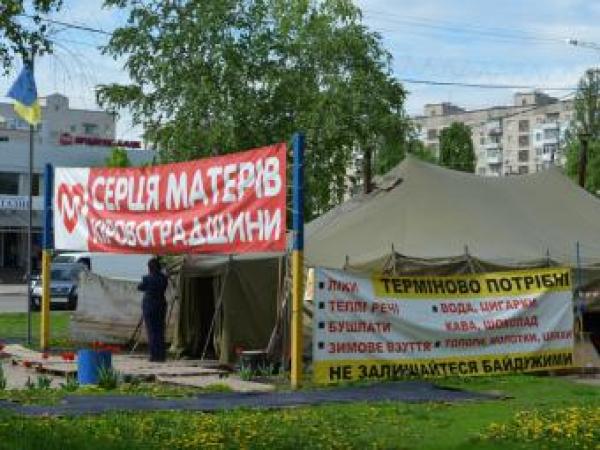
426	211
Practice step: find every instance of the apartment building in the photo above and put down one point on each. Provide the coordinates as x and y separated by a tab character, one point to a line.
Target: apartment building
521	138
66	137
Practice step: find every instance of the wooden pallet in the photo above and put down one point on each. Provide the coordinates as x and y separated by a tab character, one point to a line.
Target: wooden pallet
126	365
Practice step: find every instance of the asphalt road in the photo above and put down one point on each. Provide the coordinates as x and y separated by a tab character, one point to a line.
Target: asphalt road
13	298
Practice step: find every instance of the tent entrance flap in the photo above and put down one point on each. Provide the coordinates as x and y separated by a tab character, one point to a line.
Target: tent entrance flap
199	309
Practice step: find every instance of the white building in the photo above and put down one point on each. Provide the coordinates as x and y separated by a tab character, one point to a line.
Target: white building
66	137
522	138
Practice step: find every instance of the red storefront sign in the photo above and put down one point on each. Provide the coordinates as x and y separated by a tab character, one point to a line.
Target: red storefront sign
228	204
69	139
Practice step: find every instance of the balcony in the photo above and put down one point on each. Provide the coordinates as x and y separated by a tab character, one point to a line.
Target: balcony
493	146
494	157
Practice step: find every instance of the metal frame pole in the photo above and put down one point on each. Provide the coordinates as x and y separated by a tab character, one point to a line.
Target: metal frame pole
29	233
30	211
297	259
47	245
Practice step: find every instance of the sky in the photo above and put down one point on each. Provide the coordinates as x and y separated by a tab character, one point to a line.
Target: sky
514	42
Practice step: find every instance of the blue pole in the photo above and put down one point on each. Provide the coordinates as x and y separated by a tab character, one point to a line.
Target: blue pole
297	258
48	241
298	191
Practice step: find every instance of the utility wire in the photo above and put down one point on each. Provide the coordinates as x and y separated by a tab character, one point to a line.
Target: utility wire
68	25
462	28
483	85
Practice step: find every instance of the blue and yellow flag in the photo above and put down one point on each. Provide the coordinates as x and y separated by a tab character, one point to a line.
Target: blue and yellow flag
24	92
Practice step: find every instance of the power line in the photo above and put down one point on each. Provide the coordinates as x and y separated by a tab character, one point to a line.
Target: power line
483	85
68	25
461	28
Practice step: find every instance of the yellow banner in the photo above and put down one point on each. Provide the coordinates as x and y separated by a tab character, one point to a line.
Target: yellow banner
349	370
516	282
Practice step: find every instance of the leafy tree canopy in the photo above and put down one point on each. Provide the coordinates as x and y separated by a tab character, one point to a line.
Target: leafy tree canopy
456	148
117	158
22	29
215	76
587	122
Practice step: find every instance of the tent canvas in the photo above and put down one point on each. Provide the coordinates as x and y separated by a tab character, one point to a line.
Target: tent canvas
428	212
243	296
216	305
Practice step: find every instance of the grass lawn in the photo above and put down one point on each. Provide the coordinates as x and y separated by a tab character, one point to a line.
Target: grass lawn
542	412
13	326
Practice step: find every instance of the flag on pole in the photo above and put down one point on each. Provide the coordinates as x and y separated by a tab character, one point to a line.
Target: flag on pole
24	92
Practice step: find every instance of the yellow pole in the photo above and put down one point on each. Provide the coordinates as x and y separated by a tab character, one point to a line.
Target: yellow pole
45	305
297	326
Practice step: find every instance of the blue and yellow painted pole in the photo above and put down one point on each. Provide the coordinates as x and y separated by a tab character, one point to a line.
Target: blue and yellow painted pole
47	245
297	258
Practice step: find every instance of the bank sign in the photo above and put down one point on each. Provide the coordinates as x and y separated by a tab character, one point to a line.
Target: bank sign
234	203
384	327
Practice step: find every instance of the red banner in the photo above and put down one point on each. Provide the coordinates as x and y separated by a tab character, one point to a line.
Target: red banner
234	203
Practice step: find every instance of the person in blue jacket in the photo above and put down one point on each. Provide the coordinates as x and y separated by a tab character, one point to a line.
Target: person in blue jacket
154	309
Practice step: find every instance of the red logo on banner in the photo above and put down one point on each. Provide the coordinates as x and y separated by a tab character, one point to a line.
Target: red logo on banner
70	203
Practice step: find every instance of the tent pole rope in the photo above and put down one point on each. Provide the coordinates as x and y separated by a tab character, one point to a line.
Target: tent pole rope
272	345
579	298
217	308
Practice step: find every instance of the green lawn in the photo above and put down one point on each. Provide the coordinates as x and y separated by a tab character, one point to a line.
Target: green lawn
376	425
13	326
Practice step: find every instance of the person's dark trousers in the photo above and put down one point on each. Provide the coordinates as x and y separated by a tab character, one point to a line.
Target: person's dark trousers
154	318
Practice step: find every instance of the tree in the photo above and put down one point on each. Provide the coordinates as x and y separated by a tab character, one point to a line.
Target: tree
573	152
586	124
456	148
117	158
390	157
216	76
22	29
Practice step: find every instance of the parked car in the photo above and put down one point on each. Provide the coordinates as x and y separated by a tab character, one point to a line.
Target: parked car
64	280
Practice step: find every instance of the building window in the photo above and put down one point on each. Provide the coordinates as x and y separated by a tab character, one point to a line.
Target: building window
9	183
549	149
90	128
553	116
482	141
551	133
73	128
523	155
524	141
538	136
523	170
523	126
538	151
432	134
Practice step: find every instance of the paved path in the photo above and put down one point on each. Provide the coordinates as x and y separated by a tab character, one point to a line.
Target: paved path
407	391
